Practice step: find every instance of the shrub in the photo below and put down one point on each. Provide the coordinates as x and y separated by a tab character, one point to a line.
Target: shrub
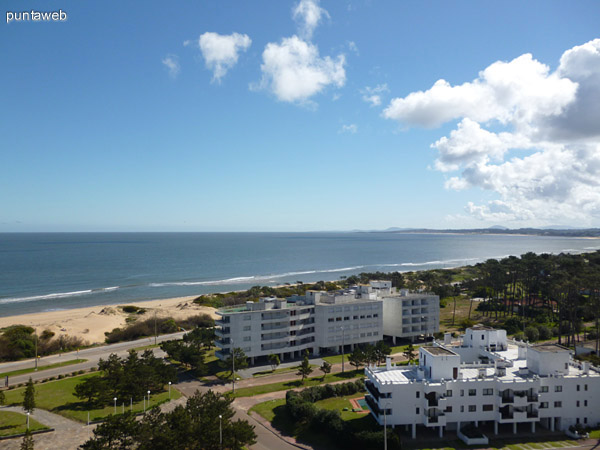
130	309
544	332
532	334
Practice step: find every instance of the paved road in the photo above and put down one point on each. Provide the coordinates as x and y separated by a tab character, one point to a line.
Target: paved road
92	355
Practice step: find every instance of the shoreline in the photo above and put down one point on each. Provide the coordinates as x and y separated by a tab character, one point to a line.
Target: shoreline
91	322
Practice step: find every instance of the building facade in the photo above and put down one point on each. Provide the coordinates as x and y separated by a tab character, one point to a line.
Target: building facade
410	315
486	380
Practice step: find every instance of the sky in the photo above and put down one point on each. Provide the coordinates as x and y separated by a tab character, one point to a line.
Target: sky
300	115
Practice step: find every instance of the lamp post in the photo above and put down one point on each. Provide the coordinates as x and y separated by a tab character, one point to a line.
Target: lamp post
385	426
220	432
169	390
343	345
148	399
232	367
144	404
36	350
28	421
115	399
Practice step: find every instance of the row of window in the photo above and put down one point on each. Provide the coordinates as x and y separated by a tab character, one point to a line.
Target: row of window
365	316
374	306
354	336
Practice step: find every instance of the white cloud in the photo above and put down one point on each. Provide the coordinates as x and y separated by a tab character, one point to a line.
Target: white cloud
352	128
529	135
308	14
353	47
294	71
373	95
171	62
221	52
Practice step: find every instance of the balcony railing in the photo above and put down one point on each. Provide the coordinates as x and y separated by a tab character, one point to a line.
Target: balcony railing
532	414
372	389
532	398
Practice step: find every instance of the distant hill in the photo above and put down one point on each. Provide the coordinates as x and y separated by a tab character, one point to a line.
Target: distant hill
497	229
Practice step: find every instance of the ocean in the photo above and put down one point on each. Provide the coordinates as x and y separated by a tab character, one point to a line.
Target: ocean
53	271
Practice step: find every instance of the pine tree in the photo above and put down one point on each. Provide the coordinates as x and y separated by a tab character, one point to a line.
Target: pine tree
29	397
304	369
325	368
410	353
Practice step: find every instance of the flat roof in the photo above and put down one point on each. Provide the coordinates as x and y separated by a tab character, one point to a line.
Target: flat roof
551	348
438	351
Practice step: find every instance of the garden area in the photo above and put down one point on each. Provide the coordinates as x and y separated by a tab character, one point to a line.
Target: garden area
13	423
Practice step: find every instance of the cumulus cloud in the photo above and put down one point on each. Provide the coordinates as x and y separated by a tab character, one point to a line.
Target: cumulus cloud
372	95
171	62
529	134
352	128
294	71
221	52
308	14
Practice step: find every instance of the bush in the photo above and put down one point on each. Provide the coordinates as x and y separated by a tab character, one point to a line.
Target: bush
130	309
520	336
532	334
466	323
544	332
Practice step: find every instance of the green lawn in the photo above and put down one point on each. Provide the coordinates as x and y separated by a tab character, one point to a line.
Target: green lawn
40	368
337	359
282	370
286	385
15	423
595	434
58	397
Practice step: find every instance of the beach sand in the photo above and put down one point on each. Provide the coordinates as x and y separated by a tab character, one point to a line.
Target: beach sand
90	323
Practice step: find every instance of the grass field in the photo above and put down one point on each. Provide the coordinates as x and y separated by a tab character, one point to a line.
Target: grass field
58	397
462	312
282	370
285	385
15	423
41	368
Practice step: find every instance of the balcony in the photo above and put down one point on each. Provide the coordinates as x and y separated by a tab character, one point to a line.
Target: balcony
274	326
438	419
533	414
372	389
274	317
275	336
222	332
533	398
223	342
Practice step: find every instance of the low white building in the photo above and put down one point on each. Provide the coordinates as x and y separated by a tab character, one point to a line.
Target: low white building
486	380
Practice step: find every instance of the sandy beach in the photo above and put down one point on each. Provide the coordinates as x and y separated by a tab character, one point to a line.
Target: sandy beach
90	323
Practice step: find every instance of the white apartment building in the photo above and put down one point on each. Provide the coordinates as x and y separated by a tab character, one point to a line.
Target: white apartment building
408	315
315	322
486	380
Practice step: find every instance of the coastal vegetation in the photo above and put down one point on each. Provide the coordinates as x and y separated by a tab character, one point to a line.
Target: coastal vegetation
191	351
20	341
206	422
155	326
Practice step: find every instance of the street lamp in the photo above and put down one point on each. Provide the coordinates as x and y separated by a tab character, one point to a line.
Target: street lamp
343	345
28	421
148	399
115	399
36	350
220	432
233	367
169	390
385	426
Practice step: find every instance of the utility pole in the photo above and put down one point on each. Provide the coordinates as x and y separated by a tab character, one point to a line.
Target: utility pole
36	350
343	345
233	366
155	333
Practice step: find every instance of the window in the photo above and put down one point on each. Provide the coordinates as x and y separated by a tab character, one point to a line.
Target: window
472	408
448	409
247	338
543	405
247	328
462	392
578	388
544	389
338	319
355	317
558	404
347	318
585	403
482	337
557	388
585	387
418	411
462	408
472	392
488	391
247	317
585	420
330	319
418	394
375	315
449	393
488	407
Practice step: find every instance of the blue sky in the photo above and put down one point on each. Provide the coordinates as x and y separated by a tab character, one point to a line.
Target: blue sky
300	115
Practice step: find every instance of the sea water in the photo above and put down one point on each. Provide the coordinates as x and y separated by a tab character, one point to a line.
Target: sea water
49	271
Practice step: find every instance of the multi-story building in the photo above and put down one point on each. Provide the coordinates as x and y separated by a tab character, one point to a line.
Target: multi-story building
406	314
316	322
486	380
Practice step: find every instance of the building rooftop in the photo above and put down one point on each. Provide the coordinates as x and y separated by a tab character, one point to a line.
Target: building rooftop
551	348
437	351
